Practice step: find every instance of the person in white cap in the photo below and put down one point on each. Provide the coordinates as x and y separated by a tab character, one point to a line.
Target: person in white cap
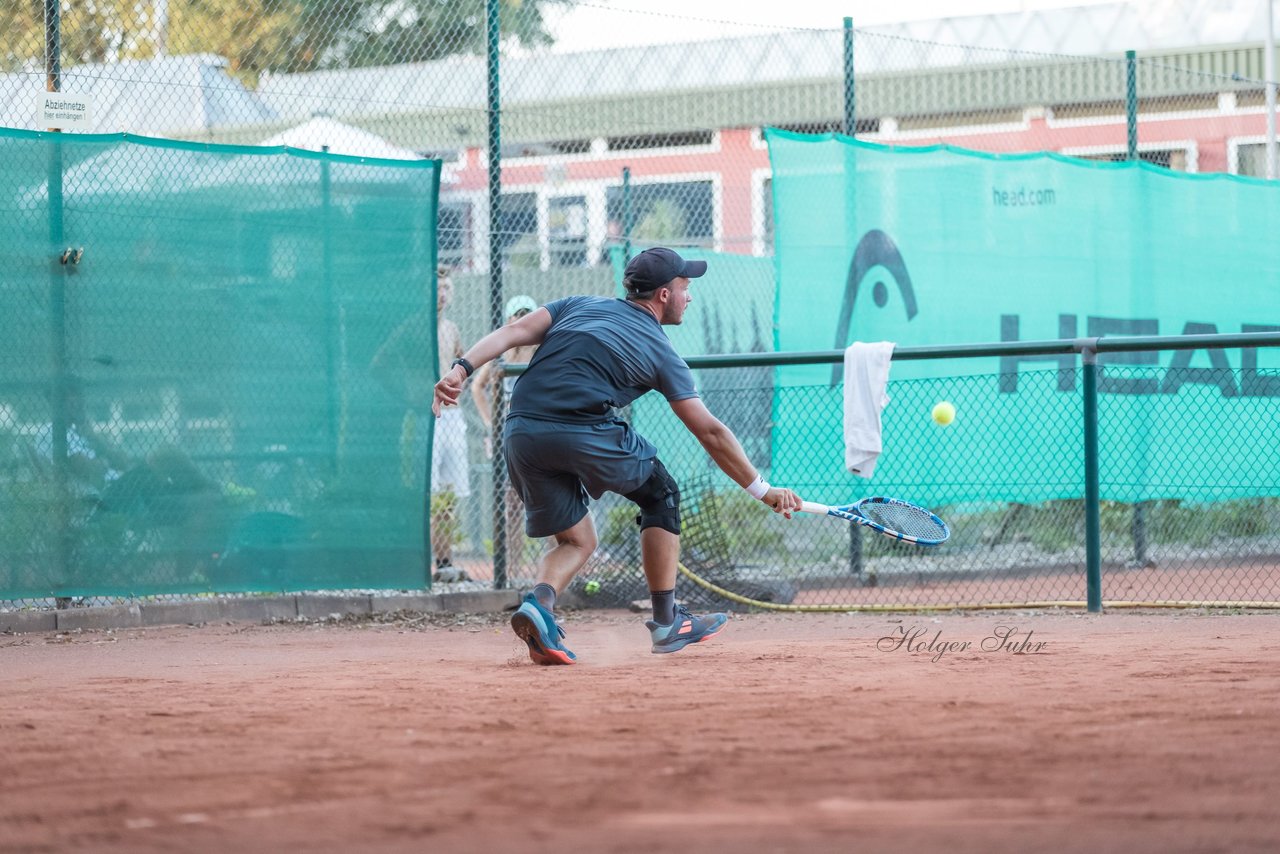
400	366
488	382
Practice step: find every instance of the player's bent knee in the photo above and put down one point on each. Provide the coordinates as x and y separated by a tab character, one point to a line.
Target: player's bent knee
582	536
659	501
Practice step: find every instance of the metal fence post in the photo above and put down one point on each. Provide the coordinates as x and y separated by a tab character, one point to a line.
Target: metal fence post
850	97
1269	73
53	45
1139	532
58	416
1139	522
1092	514
626	214
851	130
330	314
498	471
1131	100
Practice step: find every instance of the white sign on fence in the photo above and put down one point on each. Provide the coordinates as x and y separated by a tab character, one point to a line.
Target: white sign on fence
66	112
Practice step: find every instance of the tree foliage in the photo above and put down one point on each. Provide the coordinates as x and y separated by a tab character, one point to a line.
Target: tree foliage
91	30
268	35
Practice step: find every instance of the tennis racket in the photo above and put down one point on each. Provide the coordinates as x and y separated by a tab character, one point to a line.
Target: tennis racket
900	520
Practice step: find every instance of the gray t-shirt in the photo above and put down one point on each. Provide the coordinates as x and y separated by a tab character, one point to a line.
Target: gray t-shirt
599	355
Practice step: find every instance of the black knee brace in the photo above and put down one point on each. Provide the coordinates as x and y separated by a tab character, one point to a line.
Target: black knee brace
659	501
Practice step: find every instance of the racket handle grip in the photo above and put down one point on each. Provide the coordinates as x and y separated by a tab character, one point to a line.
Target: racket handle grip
813	507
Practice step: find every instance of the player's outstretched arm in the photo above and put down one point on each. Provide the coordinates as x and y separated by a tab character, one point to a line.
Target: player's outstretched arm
530	329
726	450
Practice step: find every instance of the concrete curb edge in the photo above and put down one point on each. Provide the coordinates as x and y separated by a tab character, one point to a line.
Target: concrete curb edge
254	610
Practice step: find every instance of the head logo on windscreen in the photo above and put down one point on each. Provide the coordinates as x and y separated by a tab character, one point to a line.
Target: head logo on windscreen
876	259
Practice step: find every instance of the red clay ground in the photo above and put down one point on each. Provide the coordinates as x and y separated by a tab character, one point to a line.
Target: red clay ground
1128	731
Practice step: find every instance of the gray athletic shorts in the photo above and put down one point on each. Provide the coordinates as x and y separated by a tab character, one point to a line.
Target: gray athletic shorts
554	467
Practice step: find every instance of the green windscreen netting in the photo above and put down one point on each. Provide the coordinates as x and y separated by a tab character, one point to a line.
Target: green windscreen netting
935	246
187	397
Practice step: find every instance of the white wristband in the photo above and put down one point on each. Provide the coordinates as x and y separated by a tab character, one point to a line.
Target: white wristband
757	488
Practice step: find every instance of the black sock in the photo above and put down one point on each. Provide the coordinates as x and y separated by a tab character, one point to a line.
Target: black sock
664	606
546	595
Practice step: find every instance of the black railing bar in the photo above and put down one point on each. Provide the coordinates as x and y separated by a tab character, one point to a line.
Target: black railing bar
1047	347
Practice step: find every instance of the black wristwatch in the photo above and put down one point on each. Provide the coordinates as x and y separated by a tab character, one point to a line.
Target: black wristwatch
466	366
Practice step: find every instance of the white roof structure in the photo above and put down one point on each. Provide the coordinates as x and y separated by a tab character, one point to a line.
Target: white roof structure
460	81
151	97
322	131
1098	29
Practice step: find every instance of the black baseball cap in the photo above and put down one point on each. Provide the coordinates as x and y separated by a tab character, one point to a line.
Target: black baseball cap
655	268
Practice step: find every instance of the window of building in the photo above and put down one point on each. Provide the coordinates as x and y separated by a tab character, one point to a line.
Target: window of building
518	230
1176	159
680	213
684	139
1088	110
1186	102
553	148
453	228
1251	159
960	119
1251	98
766	204
567	231
860	126
1183	103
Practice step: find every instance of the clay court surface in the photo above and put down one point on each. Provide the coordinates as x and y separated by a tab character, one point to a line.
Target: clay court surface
1128	731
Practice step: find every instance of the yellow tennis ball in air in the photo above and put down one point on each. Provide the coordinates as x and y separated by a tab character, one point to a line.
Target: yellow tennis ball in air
592	587
943	413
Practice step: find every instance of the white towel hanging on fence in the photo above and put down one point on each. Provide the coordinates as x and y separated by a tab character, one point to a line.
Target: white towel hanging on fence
866	378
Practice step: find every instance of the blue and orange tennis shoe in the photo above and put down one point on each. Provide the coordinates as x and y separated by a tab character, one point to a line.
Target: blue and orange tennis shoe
685	629
537	627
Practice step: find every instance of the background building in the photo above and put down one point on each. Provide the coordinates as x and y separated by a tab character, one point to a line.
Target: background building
685	119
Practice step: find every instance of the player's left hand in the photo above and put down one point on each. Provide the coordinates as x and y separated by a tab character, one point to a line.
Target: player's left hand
448	389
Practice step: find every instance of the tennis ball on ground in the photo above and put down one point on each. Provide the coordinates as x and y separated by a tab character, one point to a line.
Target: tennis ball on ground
591	588
943	413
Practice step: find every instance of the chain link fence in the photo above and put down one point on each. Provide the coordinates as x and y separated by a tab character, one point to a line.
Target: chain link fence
601	150
1203	528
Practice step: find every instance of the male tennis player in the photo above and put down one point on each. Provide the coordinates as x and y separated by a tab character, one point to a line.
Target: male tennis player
565	441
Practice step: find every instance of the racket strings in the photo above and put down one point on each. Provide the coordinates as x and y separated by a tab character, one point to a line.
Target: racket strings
905	519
